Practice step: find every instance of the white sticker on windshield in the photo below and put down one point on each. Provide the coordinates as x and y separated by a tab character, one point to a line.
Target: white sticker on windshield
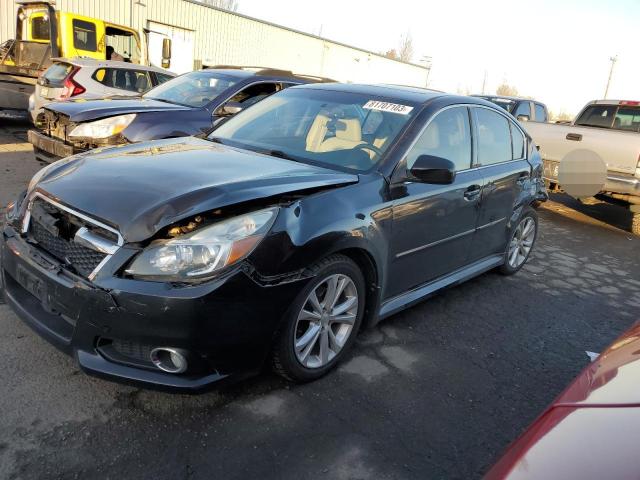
388	107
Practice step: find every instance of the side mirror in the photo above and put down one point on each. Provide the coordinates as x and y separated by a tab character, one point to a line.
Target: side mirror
523	118
229	108
435	170
166	52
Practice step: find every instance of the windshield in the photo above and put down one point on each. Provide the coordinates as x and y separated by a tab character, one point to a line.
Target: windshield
195	89
330	128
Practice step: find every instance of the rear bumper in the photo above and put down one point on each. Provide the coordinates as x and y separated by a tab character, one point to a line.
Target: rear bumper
225	325
616	183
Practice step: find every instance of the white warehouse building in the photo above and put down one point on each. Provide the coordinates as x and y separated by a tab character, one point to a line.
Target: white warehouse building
204	35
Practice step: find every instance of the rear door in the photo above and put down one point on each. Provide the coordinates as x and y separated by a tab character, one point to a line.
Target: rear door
433	225
501	159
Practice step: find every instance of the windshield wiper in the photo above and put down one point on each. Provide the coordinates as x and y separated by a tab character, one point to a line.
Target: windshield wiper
278	154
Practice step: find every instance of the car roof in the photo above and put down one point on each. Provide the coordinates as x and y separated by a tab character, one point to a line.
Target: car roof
246	72
95	63
399	92
507	97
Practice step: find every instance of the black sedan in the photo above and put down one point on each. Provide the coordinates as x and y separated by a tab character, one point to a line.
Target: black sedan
186	105
309	216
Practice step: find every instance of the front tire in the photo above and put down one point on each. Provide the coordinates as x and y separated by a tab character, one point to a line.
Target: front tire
323	321
521	242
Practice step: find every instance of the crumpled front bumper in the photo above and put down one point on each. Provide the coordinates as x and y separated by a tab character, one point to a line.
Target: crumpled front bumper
226	325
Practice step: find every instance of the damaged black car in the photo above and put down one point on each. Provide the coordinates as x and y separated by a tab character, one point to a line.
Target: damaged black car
183	263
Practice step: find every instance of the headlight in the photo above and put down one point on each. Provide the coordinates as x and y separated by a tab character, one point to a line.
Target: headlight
203	252
103	128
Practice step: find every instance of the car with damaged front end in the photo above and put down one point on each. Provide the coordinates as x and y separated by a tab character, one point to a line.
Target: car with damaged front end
310	215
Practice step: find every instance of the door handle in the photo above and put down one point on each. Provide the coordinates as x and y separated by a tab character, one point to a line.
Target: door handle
576	137
472	192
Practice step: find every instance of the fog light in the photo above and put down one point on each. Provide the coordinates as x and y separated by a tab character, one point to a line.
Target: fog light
169	360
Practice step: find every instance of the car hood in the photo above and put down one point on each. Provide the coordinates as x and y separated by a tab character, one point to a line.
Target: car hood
612	379
81	110
566	442
144	187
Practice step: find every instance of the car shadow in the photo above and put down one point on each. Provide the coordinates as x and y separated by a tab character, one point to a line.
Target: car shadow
13	132
609	211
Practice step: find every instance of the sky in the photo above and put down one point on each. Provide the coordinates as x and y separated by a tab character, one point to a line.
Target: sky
557	51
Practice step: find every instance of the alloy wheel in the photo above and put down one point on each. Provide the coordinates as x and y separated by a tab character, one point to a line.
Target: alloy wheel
521	242
326	321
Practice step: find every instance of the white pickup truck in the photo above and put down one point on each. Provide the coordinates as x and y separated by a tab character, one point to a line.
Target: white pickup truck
610	128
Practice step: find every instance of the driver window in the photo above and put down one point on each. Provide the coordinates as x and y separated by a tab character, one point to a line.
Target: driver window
447	136
254	93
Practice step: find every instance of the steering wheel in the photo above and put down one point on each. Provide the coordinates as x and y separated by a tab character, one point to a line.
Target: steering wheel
371	147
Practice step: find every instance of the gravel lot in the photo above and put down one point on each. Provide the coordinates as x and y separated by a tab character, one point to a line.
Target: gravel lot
437	391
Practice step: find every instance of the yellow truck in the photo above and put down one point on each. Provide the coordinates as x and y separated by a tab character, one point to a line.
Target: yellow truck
43	33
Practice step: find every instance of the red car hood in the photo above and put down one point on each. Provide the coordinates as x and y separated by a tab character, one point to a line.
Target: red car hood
613	379
591	430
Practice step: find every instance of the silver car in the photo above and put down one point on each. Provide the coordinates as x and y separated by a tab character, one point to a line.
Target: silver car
89	78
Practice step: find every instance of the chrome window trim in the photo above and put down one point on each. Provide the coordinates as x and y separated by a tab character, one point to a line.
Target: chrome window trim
27	219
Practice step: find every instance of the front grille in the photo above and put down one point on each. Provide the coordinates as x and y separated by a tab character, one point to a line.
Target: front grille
82	259
53	230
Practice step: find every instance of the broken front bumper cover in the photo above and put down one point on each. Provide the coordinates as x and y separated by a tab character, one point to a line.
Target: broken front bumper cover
49	149
226	324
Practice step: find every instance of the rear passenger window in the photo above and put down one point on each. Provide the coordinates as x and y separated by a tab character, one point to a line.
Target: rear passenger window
123	79
523	109
84	35
447	136
494	137
541	113
627	119
517	140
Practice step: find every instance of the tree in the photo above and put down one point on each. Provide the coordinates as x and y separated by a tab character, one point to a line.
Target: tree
405	49
392	54
231	5
507	90
562	116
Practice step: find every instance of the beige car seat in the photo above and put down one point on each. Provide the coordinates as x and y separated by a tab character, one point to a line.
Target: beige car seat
348	136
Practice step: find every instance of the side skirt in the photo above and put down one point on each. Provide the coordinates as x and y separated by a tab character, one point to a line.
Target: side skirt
404	300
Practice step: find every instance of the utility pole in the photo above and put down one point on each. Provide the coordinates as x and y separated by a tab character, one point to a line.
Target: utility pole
613	61
484	82
426	59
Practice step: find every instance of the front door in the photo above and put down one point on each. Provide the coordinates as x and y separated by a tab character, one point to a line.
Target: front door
433	225
501	158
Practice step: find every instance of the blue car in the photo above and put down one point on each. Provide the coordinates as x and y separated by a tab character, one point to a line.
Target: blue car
187	105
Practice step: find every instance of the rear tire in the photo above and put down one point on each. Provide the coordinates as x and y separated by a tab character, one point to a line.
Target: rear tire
323	321
521	242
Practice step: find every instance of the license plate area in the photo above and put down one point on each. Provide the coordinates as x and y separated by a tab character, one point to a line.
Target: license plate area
31	283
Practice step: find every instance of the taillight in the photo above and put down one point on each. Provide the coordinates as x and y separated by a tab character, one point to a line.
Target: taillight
629	103
71	87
